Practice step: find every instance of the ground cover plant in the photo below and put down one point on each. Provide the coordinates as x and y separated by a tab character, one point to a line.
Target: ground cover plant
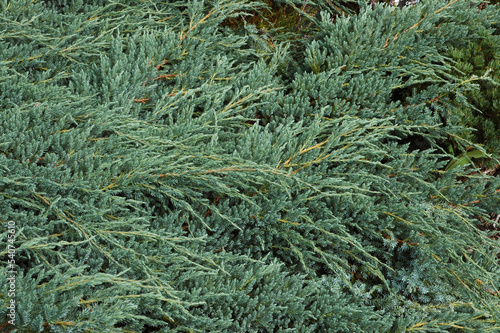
206	166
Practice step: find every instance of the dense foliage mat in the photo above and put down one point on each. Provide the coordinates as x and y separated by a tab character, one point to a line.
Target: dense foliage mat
178	167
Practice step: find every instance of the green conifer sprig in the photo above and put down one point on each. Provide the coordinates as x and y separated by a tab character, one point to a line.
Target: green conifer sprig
168	173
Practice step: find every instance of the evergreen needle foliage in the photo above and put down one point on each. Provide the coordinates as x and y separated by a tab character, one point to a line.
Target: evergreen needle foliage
179	167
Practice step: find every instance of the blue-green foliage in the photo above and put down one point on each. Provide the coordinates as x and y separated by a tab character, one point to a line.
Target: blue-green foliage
166	174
